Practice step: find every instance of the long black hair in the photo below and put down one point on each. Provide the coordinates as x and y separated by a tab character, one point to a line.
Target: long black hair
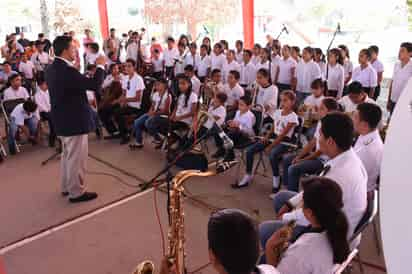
324	197
338	55
187	94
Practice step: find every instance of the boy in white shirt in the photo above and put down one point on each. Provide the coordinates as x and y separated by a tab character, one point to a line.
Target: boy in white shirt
42	99
267	95
179	61
369	145
23	117
15	91
378	66
157	64
192	58
247	71
285	71
234	92
365	73
356	95
133	47
203	66
169	55
217	57
92	54
229	65
40	59
239	51
28	70
196	84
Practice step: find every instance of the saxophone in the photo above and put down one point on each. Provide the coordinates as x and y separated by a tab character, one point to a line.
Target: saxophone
176	253
286	233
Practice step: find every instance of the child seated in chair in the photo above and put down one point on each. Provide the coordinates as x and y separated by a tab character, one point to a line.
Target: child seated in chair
310	108
23	118
285	121
240	129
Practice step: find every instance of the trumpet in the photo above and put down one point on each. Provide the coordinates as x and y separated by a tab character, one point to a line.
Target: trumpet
176	236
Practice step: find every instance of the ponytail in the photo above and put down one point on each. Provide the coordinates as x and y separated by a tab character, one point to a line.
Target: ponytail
337	230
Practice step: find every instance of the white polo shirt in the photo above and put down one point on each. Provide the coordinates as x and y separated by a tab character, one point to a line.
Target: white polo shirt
195	85
233	94
183	109
367	76
247	74
268	97
159	101
220	112
246	122
306	73
169	55
227	67
109	80
336	78
132	86
281	122
400	77
42	99
353	185
285	68
349	106
203	65
369	148
19	115
11	94
217	61
27	69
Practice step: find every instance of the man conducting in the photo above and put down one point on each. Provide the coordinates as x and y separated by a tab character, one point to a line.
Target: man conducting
71	115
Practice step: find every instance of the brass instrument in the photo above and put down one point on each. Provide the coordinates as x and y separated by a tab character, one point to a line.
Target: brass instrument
285	234
176	236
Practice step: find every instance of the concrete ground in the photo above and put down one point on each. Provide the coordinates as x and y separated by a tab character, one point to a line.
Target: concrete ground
41	233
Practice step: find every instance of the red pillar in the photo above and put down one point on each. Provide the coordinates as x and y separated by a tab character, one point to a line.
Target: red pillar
248	22
104	18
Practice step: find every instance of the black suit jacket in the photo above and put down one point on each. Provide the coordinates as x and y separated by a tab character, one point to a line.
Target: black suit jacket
70	109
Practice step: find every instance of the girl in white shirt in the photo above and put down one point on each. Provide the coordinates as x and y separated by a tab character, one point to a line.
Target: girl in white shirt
285	71
217	57
335	74
257	48
365	73
319	58
229	65
306	72
347	66
266	94
239	51
42	99
285	121
378	66
264	60
295	53
326	238
157	64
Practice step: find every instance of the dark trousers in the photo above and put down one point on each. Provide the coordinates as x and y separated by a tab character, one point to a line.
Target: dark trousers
45	116
120	118
106	114
377	92
169	73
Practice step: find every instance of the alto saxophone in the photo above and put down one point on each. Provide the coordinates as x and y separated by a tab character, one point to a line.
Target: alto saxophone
285	234
176	239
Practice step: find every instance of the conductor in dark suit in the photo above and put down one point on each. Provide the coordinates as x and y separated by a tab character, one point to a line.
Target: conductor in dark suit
72	115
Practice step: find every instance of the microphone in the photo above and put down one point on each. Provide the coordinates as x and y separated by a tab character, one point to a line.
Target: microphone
223	166
205	29
285	29
338	28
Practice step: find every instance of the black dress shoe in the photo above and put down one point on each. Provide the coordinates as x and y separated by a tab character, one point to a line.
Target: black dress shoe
64	194
87	196
237	186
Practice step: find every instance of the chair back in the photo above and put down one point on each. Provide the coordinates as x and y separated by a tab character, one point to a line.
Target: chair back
9	105
297	132
340	268
368	216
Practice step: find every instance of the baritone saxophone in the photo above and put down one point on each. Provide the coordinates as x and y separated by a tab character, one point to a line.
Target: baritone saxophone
176	235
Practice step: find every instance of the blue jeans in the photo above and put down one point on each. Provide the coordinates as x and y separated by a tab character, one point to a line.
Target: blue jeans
13	128
274	156
293	172
139	125
300	97
157	124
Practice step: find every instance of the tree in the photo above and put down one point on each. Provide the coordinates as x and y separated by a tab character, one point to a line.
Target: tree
191	12
44	17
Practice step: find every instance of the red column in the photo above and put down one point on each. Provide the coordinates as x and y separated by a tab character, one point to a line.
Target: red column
248	23
104	18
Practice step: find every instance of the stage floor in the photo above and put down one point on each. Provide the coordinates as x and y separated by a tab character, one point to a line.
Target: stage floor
41	233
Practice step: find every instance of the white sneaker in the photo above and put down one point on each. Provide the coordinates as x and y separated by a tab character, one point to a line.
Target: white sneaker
245	180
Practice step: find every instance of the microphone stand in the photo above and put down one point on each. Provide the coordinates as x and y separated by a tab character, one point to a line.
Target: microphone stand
281	32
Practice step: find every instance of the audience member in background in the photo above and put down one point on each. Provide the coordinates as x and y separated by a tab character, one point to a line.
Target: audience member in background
240	129
239	51
112	43
28	70
247	71
378	66
41	58
23	118
234	92
267	95
133	85
217	57
114	75
401	74
92	54
157	64
276	49
369	145
233	244
155	45
45	42
88	38
179	61
13	54
170	54
310	160
16	90
325	238
208	43
42	99
306	72
91	97
190	73
319	58
5	74
365	73
203	66
133	47
356	95
192	58
347	66
285	71
23	41
285	121
110	103
230	64
336	74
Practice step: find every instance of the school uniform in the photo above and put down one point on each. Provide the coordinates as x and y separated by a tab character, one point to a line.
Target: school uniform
285	73
313	101
264	65
335	80
109	80
196	84
349	106
239	57
157	67
367	77
192	60
132	50
267	97
255	60
217	61
228	67
220	112
203	67
233	95
378	66
369	148
180	64
400	77
169	56
322	66
91	58
12	94
305	73
274	66
26	68
247	75
42	99
183	109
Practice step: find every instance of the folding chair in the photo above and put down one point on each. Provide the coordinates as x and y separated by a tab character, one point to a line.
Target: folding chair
344	267
367	218
7	107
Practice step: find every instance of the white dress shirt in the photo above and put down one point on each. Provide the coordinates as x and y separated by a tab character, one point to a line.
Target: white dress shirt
183	109
273	69
169	56
27	69
348	172
347	67
11	94
132	86
220	112
233	94
264	65
203	66
246	122
306	73
42	99
367	76
217	61
180	63
157	64
369	148
255	60
349	106
247	74
19	115
239	57
268	97
378	66
190	60
296	260
336	78
195	85
285	69
322	66
400	77
228	67
40	60
132	50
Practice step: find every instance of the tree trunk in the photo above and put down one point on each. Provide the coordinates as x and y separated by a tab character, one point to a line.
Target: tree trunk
44	15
